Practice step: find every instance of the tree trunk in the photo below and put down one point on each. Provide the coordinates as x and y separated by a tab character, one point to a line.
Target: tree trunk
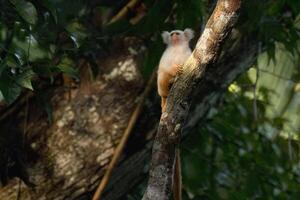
179	98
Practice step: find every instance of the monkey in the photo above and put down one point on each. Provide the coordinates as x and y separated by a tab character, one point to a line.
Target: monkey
172	59
176	53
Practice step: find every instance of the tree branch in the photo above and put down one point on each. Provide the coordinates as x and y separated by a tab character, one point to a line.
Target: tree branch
205	54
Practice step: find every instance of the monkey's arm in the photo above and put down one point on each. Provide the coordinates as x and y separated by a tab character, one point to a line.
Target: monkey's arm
176	69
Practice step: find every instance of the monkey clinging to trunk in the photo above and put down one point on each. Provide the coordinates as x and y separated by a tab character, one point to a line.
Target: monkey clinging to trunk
176	53
171	62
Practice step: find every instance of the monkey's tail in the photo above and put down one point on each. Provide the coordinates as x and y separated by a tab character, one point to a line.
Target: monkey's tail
177	182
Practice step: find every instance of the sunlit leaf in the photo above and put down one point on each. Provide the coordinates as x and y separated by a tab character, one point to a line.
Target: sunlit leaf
67	66
3	32
29	50
77	33
24	79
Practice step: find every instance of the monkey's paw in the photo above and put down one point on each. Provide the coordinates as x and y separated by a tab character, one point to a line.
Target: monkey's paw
179	69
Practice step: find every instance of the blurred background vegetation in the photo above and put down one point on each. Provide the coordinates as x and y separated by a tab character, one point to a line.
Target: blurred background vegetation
249	146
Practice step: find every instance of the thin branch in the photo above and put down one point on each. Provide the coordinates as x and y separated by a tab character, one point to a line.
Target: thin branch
277	75
255	94
123	12
179	99
16	105
255	88
124	138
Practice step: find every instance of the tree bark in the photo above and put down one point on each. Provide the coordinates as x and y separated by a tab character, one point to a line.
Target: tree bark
66	159
204	55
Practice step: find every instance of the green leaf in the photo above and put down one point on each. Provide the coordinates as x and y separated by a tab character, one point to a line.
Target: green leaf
67	66
51	7
20	56
3	33
77	33
29	50
9	88
24	79
1	97
26	10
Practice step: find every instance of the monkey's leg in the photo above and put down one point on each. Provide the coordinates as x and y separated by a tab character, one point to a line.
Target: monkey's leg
177	182
163	86
163	104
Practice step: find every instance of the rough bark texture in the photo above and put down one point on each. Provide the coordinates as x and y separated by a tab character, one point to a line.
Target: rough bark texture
179	99
68	157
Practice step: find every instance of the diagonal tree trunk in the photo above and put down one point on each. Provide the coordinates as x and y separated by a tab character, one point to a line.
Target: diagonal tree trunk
205	54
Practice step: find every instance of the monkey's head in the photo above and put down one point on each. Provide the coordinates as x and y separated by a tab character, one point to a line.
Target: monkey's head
177	37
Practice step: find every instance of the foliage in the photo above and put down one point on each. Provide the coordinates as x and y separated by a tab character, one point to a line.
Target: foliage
241	157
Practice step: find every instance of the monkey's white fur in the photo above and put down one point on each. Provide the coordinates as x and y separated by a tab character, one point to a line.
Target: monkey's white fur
172	59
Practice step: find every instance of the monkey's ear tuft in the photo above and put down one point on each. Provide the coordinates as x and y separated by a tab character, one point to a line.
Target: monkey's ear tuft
189	33
166	37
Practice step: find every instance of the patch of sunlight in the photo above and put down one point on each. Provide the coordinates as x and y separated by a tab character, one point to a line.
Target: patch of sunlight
1	97
297	87
3	32
276	76
234	88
